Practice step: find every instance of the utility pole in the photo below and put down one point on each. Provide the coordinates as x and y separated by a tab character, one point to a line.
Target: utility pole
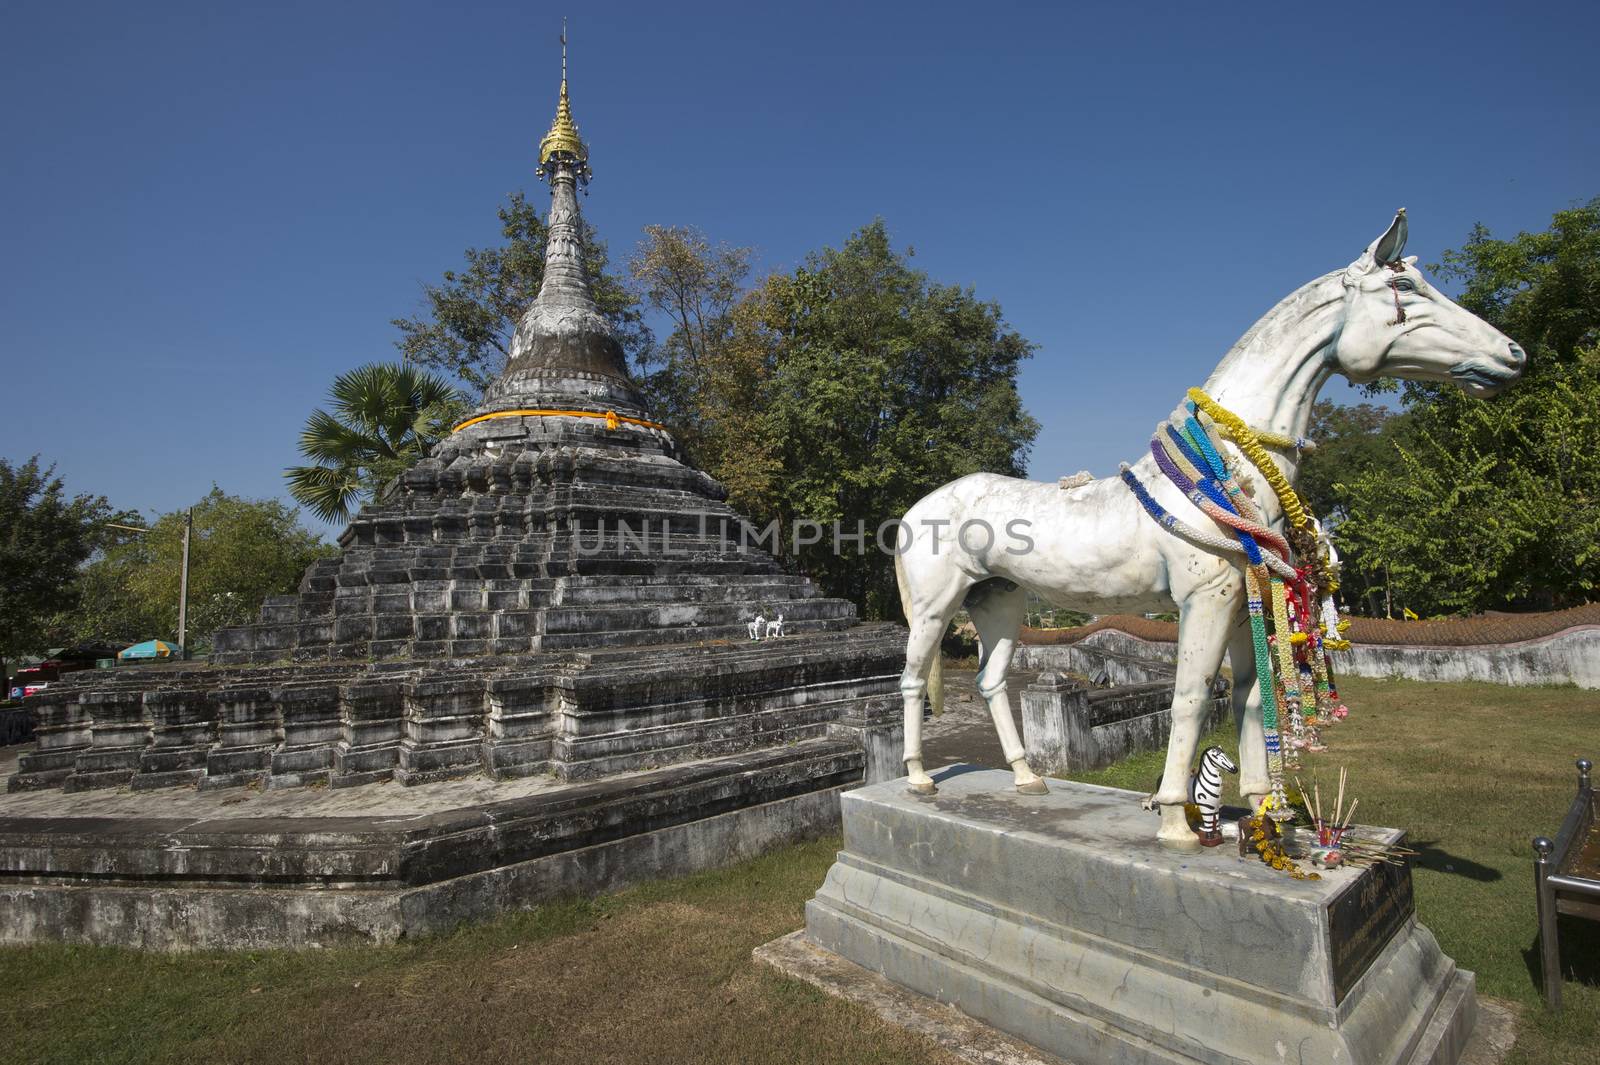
183	576
183	585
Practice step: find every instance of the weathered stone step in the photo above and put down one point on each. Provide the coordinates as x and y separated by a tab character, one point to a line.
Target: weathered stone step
749	590
644	637
675	614
591	759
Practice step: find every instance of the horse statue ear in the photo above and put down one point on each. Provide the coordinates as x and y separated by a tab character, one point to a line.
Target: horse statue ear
1386	249
1392	244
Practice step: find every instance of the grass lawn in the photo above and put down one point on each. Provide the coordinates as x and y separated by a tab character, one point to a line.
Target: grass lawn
662	973
1473	772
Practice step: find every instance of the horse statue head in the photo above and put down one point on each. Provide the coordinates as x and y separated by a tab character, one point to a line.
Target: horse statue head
1397	324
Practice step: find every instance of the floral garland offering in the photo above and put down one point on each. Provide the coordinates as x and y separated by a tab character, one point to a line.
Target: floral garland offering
1293	670
1266	840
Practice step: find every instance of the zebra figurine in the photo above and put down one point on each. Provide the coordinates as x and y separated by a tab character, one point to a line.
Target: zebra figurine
1205	791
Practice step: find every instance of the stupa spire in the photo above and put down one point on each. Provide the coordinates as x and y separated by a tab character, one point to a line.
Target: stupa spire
564	161
563	353
563	146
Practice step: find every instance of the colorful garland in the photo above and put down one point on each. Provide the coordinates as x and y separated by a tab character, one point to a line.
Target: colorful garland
1292	664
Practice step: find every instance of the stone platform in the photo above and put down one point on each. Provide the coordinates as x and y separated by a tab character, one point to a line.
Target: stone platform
254	869
1060	920
576	715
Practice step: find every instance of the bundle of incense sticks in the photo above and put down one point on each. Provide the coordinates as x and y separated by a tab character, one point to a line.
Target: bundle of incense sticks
1365	852
1329	831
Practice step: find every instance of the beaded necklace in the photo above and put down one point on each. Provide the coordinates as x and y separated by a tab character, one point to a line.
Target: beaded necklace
1185	451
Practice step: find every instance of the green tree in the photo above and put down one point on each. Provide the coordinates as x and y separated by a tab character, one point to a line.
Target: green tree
241	551
470	317
840	392
887	386
696	285
1497	503
385	417
1350	439
710	379
45	535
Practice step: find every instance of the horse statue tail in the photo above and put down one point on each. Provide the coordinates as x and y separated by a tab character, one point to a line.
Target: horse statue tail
935	677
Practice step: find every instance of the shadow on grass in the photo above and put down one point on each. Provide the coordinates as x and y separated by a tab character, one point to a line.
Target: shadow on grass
1430	857
1580	952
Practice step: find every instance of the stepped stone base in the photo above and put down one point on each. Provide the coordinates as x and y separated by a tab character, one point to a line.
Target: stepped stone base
133	874
575	716
1060	920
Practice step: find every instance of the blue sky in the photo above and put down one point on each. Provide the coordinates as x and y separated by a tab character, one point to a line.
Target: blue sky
210	210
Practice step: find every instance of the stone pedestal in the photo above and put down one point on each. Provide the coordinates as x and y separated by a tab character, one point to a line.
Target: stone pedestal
1061	920
443	728
309	715
117	739
247	734
183	725
61	732
519	729
369	732
1055	724
1068	727
879	726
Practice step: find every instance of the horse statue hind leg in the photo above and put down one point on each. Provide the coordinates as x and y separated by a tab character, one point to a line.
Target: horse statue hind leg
998	608
930	597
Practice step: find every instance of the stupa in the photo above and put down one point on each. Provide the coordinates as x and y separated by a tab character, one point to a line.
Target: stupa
552	591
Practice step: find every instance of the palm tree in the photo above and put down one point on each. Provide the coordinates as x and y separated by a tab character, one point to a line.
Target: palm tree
385	417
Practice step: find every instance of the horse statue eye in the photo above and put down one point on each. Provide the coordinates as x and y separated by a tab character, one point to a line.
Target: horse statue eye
1403	285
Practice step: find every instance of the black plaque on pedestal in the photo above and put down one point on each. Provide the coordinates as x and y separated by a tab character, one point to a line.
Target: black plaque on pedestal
1363	918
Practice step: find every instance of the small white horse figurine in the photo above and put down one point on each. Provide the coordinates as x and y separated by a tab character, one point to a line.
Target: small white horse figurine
1094	549
758	627
775	627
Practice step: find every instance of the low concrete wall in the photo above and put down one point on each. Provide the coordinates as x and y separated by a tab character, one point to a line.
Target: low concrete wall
1118	656
1068	727
1570	657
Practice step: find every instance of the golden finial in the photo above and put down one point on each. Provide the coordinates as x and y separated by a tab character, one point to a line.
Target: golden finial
562	143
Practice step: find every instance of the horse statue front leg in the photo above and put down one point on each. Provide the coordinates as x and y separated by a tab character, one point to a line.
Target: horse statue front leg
1204	624
1254	784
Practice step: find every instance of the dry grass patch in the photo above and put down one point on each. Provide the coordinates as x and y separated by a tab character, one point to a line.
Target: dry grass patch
661	973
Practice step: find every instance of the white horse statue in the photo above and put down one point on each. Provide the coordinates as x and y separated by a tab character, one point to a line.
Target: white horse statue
1094	549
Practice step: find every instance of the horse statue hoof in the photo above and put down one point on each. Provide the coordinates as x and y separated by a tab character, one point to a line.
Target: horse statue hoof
922	787
1175	833
1036	786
